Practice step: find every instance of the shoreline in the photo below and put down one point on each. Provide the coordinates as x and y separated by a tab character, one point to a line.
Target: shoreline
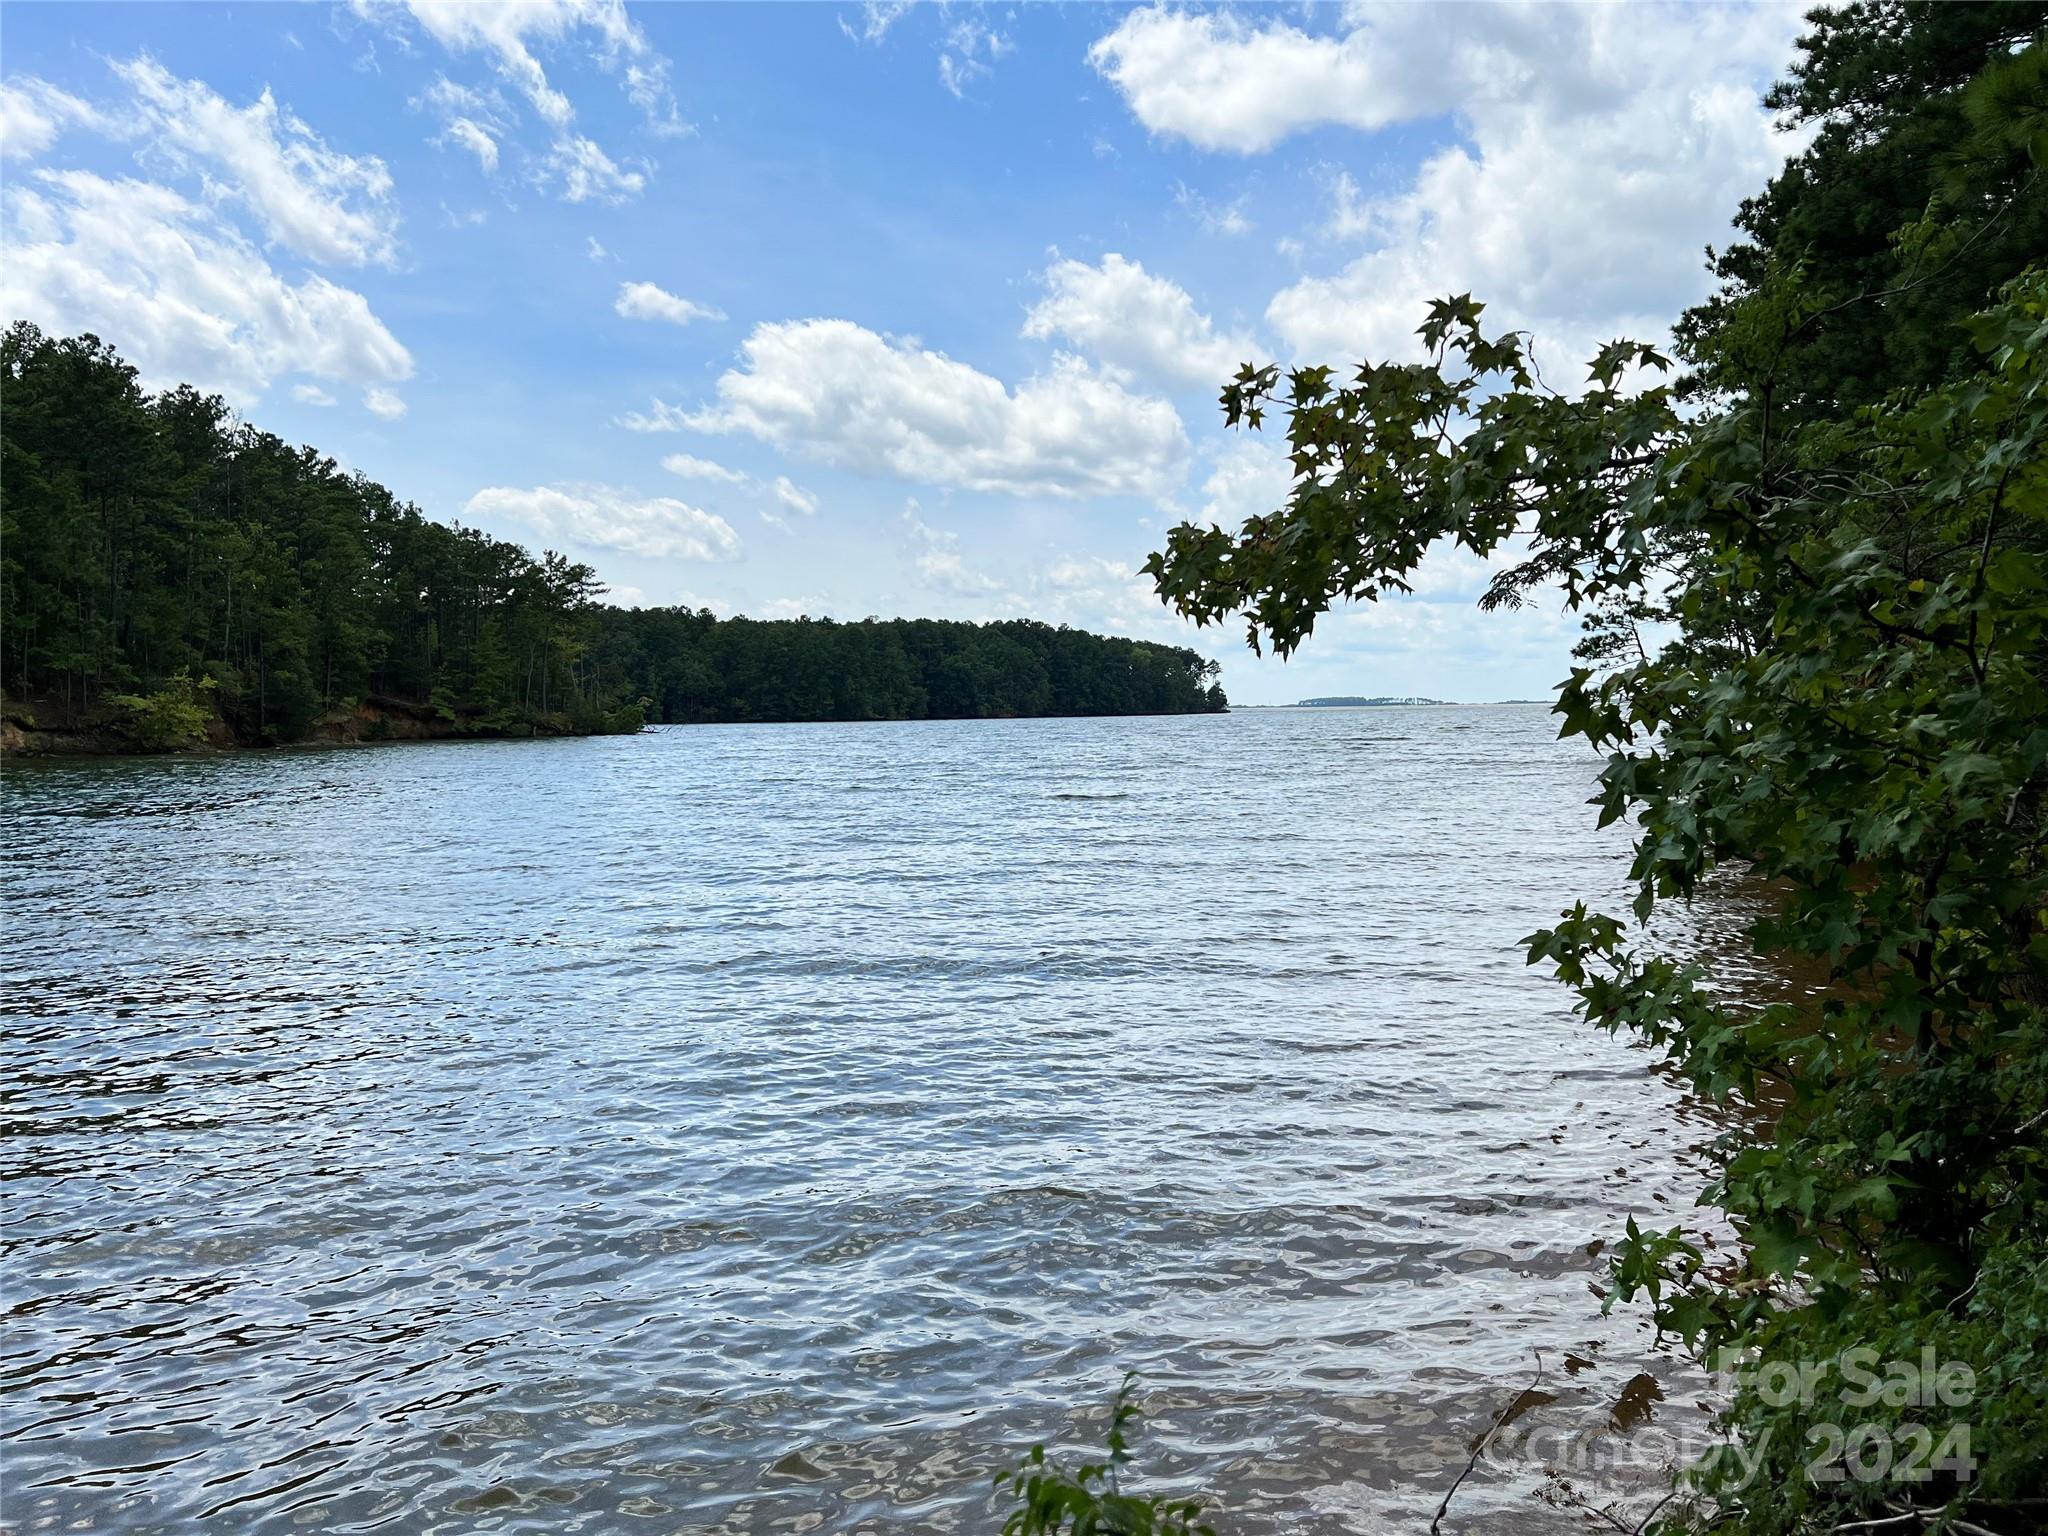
386	722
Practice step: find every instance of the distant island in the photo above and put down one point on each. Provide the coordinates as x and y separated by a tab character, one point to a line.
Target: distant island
176	577
1353	701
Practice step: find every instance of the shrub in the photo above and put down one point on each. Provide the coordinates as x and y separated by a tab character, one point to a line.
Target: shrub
171	719
1089	1500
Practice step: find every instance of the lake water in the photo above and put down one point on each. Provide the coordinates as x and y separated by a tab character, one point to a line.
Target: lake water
776	1128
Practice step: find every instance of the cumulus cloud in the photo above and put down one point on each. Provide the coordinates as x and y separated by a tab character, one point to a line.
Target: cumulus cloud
1647	130
187	297
325	205
658	527
311	394
645	301
838	393
1222	82
1135	322
34	112
1601	148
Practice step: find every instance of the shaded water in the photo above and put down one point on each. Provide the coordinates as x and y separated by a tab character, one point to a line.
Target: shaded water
762	1128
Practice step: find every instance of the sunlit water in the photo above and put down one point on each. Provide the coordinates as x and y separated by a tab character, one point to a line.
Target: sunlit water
764	1128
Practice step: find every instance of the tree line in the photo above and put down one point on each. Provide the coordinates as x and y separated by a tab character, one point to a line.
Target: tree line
693	667
161	557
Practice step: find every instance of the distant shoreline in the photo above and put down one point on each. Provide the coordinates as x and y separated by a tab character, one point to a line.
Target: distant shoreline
1348	702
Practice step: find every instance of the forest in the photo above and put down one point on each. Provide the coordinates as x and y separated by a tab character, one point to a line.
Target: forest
166	568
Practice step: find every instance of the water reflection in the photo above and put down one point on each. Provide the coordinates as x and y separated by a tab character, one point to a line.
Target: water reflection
746	1129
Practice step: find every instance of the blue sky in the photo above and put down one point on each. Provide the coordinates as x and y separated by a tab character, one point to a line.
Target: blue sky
848	309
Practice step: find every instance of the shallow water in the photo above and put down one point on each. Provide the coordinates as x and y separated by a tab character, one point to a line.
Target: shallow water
764	1128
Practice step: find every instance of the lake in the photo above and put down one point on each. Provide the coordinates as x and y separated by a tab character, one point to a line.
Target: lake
767	1128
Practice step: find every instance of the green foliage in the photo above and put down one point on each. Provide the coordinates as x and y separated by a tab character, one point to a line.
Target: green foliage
143	538
1089	1500
628	719
1917	197
173	717
694	668
1855	711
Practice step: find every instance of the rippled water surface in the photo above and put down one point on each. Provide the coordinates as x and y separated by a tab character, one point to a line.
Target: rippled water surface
763	1128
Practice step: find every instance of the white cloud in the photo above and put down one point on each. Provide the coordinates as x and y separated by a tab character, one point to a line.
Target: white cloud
508	30
467	133
1221	82
185	297
1248	479
1601	147
782	491
947	570
587	173
383	404
661	417
691	467
645	301
1448	572
1135	322
325	205
1089	590
793	496
658	527
311	394
33	112
968	47
471	119
1351	212
1100	593
597	251
876	18
647	87
1086	573
1605	148
969	52
1217	218
937	559
838	393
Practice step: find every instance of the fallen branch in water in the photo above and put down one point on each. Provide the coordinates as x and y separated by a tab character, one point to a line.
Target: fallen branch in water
1436	1521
